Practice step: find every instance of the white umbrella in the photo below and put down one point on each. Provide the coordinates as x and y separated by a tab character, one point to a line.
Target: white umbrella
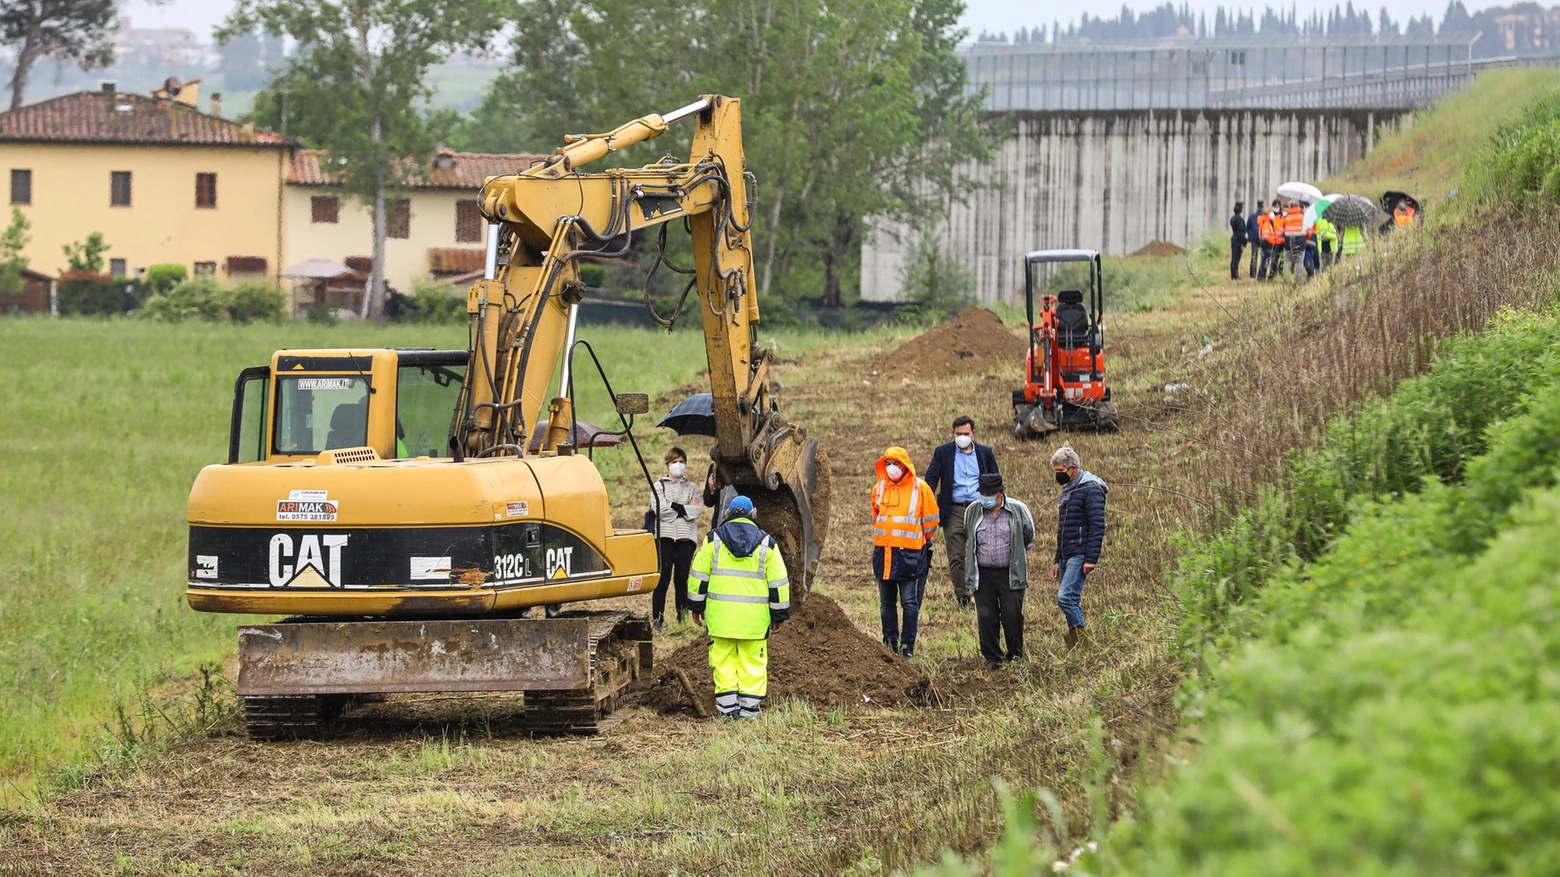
1299	192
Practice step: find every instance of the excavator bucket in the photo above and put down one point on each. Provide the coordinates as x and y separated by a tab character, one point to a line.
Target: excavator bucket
792	500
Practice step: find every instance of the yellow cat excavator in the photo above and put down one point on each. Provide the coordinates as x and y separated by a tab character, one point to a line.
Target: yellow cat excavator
407	508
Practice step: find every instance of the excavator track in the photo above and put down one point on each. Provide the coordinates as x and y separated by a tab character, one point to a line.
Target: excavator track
297	676
620	649
291	717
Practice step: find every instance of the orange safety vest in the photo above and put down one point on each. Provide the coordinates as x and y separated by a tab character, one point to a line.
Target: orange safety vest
1403	215
1265	227
1275	229
904	515
1294	221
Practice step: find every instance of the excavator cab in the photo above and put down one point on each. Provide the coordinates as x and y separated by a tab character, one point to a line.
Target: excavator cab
401	403
1064	367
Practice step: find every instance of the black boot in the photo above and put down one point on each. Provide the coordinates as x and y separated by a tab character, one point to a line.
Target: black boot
892	644
682	616
658	623
907	651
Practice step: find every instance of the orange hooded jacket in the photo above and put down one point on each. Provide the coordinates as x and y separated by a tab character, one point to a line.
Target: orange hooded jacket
904	516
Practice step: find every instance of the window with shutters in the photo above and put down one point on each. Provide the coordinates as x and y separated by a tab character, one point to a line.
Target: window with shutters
468	221
205	269
21	187
206	190
325	208
117	267
119	189
398	216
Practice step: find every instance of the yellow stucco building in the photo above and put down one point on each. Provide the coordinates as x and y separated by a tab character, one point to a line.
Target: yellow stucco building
435	226
162	181
166	183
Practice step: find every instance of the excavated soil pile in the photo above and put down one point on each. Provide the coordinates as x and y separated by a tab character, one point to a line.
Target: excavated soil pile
975	340
1160	248
817	656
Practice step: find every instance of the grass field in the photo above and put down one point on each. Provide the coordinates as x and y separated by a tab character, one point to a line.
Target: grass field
107	423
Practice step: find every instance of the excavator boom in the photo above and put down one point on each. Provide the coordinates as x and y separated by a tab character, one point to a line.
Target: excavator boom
523	315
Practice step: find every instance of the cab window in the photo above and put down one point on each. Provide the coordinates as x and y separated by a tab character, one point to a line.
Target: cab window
321	413
251	398
426	396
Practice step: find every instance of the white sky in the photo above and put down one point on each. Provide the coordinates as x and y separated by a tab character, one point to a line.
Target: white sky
992	15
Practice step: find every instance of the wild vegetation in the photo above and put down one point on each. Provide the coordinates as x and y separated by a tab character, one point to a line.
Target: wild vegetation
1368	635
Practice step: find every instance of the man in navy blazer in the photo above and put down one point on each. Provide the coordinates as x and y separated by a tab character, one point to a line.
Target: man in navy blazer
955	473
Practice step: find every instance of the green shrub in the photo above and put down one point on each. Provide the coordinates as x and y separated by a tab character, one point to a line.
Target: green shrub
428	303
1385	703
254	302
197	298
159	279
592	275
80	293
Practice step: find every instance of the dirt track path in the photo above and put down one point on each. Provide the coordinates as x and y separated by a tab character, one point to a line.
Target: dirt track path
805	790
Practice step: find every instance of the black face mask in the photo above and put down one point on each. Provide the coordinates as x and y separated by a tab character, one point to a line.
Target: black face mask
1062	477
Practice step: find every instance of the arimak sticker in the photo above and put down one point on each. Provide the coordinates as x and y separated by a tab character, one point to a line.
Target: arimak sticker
324	383
636	582
517	509
206	566
316	511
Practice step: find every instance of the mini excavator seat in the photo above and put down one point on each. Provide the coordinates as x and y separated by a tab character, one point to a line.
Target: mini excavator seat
1072	319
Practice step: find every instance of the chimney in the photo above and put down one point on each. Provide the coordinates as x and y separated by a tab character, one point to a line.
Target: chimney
107	85
216	103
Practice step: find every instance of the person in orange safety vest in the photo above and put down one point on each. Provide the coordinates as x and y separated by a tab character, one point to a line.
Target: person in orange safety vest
1272	242
904	517
1294	238
1403	214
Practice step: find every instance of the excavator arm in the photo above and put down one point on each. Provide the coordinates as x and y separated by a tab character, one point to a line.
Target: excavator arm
524	312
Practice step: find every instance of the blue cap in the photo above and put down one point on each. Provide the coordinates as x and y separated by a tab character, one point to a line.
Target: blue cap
739	505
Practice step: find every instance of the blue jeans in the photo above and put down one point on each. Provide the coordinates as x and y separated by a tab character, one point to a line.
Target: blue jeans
906	593
1070	593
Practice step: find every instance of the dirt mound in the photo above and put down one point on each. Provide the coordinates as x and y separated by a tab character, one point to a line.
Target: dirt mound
817	656
1160	248
973	341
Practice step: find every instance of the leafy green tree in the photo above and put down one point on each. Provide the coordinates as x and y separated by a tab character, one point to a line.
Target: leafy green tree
357	83
12	262
75	30
86	256
851	109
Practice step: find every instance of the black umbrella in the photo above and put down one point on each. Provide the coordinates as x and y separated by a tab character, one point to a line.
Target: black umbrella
694	415
1350	210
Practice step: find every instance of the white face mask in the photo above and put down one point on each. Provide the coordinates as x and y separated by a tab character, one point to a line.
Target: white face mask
894	471
677	469
963	441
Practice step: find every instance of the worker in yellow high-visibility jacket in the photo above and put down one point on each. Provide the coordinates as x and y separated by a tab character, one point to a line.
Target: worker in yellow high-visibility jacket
742	593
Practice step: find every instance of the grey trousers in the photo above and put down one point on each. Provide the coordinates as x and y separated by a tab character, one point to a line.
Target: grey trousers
956	541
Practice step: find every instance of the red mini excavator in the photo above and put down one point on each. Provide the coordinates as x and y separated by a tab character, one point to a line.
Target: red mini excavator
1064	370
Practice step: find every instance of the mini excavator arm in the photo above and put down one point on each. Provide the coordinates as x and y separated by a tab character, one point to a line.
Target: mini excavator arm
523	313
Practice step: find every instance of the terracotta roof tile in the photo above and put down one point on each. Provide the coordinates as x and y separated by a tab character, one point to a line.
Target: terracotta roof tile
124	117
448	170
